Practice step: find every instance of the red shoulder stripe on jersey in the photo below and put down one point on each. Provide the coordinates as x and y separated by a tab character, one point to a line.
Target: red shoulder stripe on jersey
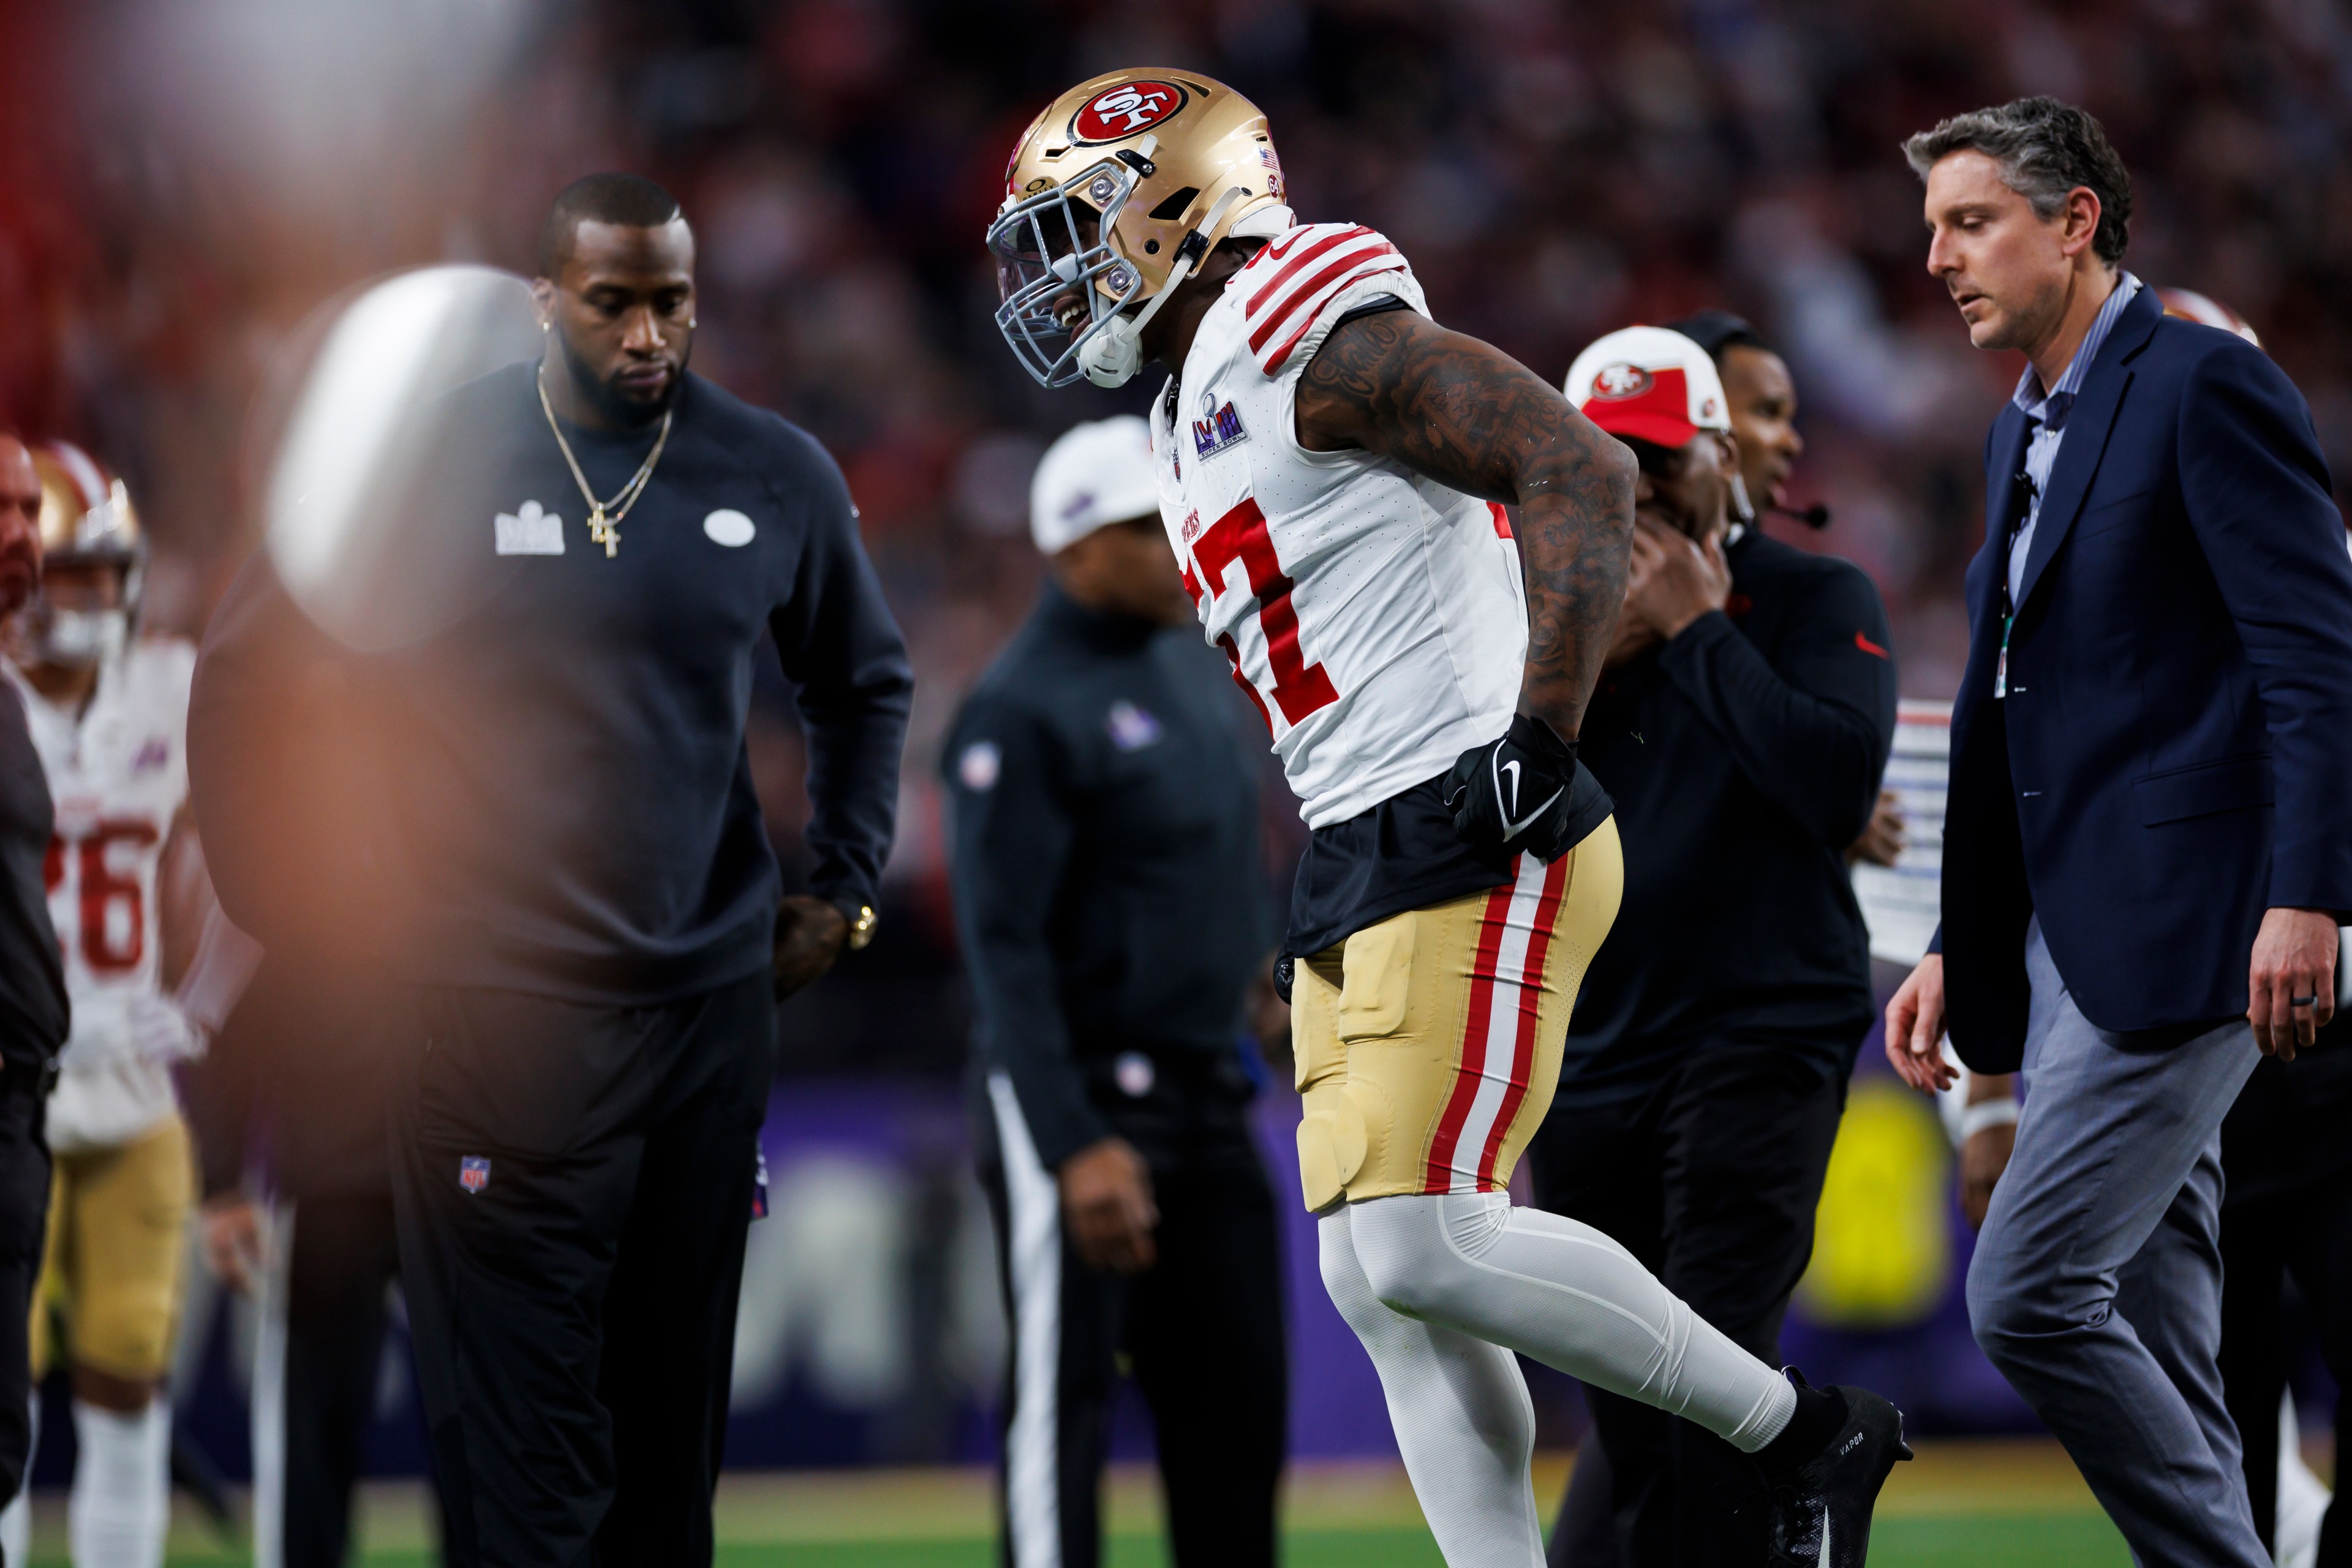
1295	262
1439	1176
1531	993
1502	519
1281	355
1363	259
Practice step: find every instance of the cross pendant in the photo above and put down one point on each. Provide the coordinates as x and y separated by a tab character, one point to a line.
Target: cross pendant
604	533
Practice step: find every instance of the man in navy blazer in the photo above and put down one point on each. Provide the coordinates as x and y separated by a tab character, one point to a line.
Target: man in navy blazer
2149	840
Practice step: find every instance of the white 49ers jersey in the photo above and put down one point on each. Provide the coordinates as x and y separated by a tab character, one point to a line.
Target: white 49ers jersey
118	773
1376	617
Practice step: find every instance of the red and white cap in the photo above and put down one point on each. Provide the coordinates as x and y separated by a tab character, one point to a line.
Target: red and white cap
1649	384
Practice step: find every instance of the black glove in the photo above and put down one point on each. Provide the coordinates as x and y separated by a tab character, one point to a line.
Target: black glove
1525	792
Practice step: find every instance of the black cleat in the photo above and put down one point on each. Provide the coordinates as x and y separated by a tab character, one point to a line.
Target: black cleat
1821	1511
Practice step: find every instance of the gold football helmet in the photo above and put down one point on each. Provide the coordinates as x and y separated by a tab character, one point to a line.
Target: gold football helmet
86	512
1112	197
87	519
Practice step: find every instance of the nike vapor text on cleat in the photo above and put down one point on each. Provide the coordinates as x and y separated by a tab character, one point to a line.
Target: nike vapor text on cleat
1821	1511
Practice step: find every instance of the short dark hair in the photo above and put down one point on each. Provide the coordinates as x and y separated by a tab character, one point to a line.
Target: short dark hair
630	199
2045	148
1715	330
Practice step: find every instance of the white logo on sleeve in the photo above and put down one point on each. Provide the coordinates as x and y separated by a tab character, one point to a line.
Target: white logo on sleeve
728	527
530	529
979	765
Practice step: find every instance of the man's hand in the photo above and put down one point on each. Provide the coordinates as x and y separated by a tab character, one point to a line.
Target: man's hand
1269	1017
231	1226
2294	959
1915	1028
1107	1199
809	936
1673	580
1983	1157
1881	841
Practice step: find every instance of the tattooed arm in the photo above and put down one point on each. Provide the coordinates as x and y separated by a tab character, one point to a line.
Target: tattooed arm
1468	415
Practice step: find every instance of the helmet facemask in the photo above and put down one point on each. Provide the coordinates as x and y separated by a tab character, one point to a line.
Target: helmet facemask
1047	261
1086	261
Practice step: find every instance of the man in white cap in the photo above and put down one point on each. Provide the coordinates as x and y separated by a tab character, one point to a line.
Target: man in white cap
1116	920
1741	724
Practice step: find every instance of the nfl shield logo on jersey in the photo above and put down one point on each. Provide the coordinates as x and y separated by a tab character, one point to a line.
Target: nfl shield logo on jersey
473	1173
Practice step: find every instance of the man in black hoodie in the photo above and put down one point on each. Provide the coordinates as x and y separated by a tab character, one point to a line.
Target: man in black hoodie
33	1013
1741	727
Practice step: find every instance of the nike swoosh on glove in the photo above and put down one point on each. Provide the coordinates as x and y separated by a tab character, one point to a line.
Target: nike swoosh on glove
1525	792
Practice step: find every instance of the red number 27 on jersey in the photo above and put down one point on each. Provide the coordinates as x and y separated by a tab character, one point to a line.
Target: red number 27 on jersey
1299	687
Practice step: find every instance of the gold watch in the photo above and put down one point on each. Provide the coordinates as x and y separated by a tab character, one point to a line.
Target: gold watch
861	927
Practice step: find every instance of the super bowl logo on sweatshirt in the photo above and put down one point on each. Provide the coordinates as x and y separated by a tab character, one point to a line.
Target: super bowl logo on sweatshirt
1217	429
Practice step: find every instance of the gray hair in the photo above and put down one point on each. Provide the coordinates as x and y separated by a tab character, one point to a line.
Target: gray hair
2044	148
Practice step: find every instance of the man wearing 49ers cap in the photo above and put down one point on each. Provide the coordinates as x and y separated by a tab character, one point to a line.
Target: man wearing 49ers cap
1741	726
1333	468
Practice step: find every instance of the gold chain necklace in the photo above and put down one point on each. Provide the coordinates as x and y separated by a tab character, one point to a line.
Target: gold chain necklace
602	529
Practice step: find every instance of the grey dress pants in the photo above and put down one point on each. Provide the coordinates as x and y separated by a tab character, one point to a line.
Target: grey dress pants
2096	1286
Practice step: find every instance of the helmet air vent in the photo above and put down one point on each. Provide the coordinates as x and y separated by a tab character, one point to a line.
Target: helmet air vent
1173	207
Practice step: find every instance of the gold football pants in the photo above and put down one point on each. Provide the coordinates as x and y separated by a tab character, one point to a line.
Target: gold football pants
1428	1044
112	1266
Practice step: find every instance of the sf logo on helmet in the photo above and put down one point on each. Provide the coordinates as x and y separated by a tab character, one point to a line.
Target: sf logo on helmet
1616	381
1117	112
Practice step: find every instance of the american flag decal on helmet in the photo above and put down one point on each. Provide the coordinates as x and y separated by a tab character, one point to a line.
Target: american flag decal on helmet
1287	283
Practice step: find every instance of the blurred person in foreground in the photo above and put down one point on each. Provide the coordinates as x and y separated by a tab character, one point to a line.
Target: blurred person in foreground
1761	395
299	1070
592	929
2146	831
109	708
1741	725
34	1007
1333	468
1111	894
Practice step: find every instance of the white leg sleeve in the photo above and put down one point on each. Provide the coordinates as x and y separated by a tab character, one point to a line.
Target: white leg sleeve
1570	1297
1462	1417
16	1519
120	1508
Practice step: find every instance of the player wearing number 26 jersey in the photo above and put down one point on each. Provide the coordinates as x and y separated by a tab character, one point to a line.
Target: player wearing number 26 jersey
1332	468
108	713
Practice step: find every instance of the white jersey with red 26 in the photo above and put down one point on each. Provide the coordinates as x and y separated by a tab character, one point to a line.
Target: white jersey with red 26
118	775
1377	618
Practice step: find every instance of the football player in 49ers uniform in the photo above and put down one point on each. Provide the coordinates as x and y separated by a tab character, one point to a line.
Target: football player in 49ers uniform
109	715
1333	469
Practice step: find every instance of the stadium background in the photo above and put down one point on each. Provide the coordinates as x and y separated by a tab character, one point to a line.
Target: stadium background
182	181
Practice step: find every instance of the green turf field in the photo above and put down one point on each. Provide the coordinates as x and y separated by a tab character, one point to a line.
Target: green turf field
2020	1505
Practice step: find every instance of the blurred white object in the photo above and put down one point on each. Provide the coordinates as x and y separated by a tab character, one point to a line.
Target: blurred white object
1095	473
358	435
1902	904
2303	1498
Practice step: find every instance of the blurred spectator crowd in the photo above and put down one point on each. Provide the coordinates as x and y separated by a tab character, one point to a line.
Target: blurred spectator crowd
183	181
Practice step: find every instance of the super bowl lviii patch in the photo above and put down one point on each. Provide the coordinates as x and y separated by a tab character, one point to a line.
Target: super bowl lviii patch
1217	429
